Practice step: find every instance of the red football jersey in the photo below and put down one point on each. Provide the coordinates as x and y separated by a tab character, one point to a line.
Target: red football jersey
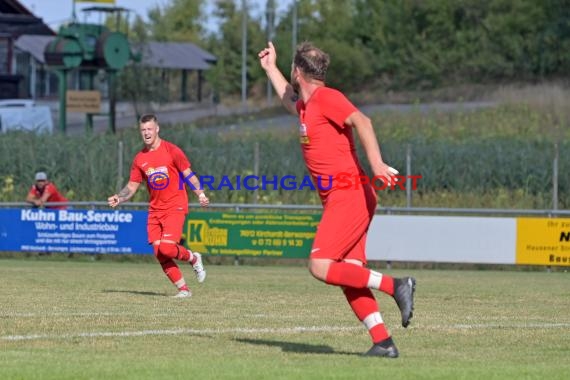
162	169
327	144
54	195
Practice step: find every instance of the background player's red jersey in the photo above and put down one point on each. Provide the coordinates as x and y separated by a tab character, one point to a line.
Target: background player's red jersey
161	170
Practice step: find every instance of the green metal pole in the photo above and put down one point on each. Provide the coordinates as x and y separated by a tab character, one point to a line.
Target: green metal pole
62	75
112	100
89	116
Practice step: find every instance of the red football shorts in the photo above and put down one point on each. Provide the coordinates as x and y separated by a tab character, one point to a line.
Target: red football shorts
165	226
341	233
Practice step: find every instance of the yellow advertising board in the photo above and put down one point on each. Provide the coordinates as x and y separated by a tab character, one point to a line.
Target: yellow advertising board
543	241
251	234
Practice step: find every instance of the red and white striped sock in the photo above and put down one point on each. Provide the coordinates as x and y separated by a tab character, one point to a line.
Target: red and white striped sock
174	274
366	309
356	276
184	254
193	258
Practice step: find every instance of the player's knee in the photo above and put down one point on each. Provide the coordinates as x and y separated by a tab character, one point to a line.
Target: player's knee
168	249
318	270
155	249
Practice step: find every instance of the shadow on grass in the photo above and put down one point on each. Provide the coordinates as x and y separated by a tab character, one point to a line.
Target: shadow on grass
135	292
296	347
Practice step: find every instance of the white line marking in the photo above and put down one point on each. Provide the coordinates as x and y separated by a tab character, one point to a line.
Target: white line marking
490	326
112	314
65	314
285	330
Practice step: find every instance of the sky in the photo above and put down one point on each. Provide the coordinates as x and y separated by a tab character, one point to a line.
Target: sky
56	12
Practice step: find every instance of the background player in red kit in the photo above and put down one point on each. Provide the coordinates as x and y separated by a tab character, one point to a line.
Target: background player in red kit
160	164
338	256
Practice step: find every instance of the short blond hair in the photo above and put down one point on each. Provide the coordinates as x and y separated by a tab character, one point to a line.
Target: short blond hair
148	117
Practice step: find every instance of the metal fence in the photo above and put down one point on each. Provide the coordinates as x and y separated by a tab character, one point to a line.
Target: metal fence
237	207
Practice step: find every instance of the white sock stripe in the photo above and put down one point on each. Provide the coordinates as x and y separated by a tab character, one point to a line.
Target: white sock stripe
180	283
372	320
374	280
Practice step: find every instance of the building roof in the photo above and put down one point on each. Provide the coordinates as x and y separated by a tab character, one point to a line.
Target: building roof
35	45
13	7
176	55
16	19
164	55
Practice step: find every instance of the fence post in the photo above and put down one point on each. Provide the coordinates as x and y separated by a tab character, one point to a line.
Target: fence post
256	170
555	178
120	164
408	176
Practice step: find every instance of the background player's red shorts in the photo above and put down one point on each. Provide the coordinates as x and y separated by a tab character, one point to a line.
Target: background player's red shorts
341	234
165	225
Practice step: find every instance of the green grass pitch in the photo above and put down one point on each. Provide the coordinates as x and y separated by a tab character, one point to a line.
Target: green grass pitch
107	320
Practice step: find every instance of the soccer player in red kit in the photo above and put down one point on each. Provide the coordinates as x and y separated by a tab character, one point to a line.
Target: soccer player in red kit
338	257
162	165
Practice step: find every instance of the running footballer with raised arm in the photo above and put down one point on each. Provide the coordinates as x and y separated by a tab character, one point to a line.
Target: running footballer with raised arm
338	256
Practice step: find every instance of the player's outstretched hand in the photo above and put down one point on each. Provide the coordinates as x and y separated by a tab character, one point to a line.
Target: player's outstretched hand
388	174
204	201
113	200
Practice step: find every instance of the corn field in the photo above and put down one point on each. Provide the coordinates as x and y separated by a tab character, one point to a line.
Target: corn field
500	157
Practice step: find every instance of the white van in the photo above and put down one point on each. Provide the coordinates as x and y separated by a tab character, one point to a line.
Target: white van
24	114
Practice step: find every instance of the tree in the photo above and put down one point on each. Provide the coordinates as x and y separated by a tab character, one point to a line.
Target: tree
136	82
178	20
391	44
226	45
329	25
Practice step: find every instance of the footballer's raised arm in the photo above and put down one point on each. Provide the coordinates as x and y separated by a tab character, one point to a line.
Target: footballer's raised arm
268	61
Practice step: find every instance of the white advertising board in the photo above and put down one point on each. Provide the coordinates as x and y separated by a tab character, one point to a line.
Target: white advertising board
442	239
